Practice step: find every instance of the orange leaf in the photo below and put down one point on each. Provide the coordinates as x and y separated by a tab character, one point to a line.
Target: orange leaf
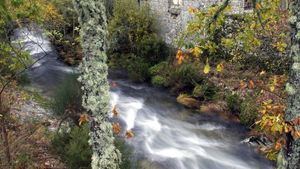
115	112
251	84
116	128
83	118
179	56
129	134
243	85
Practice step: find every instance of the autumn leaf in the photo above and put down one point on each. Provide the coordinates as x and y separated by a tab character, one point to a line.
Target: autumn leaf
115	112
206	67
83	119
243	85
129	134
251	84
262	73
179	57
196	51
116	128
272	88
220	67
192	10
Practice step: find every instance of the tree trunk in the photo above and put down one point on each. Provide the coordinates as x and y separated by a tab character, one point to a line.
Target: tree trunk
94	71
289	158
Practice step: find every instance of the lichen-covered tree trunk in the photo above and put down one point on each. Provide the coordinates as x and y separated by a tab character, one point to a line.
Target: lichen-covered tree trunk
94	70
290	157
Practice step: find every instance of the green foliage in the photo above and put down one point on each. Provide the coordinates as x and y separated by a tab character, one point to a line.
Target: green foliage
159	81
206	91
133	35
65	35
73	147
126	154
138	69
234	103
257	39
249	112
185	76
67	96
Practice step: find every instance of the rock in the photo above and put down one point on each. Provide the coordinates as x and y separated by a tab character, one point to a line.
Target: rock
188	101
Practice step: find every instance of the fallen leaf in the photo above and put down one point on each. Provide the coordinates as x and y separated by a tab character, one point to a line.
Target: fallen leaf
251	84
115	112
129	134
116	128
83	118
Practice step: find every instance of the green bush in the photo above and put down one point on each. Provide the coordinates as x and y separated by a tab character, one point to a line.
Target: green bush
67	95
153	49
138	70
206	91
73	147
159	81
134	43
186	76
249	112
234	103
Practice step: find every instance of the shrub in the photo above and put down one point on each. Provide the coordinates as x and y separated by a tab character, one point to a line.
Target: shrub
249	112
186	76
159	81
133	39
233	103
67	95
138	69
206	91
153	49
73	147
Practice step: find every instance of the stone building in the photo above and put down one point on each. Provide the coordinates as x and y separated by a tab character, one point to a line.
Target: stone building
173	15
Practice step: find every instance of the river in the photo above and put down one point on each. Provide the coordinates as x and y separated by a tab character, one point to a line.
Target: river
166	134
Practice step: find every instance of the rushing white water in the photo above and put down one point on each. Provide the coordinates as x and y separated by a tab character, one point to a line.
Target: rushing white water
166	134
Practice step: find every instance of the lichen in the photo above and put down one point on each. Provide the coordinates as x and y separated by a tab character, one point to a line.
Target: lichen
94	71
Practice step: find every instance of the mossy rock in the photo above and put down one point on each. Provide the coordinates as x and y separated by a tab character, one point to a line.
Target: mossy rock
188	101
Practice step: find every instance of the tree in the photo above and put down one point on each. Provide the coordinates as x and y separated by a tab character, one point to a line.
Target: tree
94	71
289	158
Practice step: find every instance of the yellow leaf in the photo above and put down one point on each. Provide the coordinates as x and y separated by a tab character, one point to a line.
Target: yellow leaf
272	88
197	51
220	67
206	67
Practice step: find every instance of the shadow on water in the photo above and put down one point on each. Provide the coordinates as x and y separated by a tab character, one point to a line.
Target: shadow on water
167	135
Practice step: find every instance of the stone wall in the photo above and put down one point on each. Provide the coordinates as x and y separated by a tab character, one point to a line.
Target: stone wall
173	15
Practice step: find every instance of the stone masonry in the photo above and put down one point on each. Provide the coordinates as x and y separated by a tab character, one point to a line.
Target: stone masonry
173	15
